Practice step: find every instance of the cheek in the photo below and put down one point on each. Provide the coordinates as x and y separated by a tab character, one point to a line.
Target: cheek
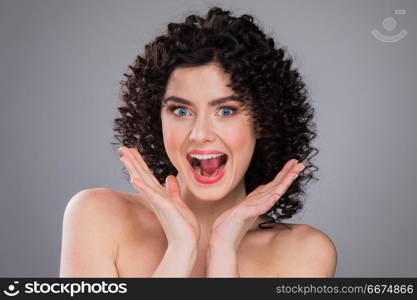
241	141
240	137
170	145
173	138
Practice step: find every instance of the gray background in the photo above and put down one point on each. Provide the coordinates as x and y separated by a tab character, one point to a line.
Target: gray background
60	67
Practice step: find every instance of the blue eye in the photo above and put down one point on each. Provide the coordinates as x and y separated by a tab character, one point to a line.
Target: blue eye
182	111
229	109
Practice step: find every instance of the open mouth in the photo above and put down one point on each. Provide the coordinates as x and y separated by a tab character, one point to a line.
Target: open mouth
208	166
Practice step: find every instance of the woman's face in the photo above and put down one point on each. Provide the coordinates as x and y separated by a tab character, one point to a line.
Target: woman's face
192	122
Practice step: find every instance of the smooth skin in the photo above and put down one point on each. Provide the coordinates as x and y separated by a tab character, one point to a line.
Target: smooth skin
181	226
107	233
188	229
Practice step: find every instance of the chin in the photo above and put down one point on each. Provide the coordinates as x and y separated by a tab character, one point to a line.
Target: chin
209	195
207	192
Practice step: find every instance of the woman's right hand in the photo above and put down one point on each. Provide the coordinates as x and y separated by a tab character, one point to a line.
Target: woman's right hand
178	221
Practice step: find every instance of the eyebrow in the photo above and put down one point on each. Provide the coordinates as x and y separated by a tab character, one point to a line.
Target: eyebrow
211	103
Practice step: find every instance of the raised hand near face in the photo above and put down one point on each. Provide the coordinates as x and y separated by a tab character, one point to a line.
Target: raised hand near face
230	227
178	221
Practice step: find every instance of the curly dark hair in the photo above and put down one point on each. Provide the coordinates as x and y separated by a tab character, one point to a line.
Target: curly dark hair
262	75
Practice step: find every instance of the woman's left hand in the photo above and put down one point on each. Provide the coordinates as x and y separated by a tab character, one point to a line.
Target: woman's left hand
230	227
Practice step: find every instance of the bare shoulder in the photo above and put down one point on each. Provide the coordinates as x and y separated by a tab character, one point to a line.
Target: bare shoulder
304	251
98	202
103	207
93	221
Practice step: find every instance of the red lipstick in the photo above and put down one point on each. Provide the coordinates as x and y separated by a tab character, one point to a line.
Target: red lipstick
204	152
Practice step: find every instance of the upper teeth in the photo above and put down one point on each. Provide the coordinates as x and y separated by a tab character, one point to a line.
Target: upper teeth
206	156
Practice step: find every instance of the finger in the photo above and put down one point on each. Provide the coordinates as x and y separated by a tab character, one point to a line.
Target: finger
174	193
130	168
264	188
138	158
258	206
151	196
285	182
288	179
262	193
173	187
126	152
287	167
144	173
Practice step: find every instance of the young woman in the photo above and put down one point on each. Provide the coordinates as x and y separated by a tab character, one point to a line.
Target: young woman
216	136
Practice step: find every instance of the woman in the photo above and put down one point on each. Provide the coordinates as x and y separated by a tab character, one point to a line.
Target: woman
214	126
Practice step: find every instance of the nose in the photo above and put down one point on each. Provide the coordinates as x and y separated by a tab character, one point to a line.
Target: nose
201	131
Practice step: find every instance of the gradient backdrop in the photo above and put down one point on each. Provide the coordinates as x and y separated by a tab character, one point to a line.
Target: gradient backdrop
60	67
